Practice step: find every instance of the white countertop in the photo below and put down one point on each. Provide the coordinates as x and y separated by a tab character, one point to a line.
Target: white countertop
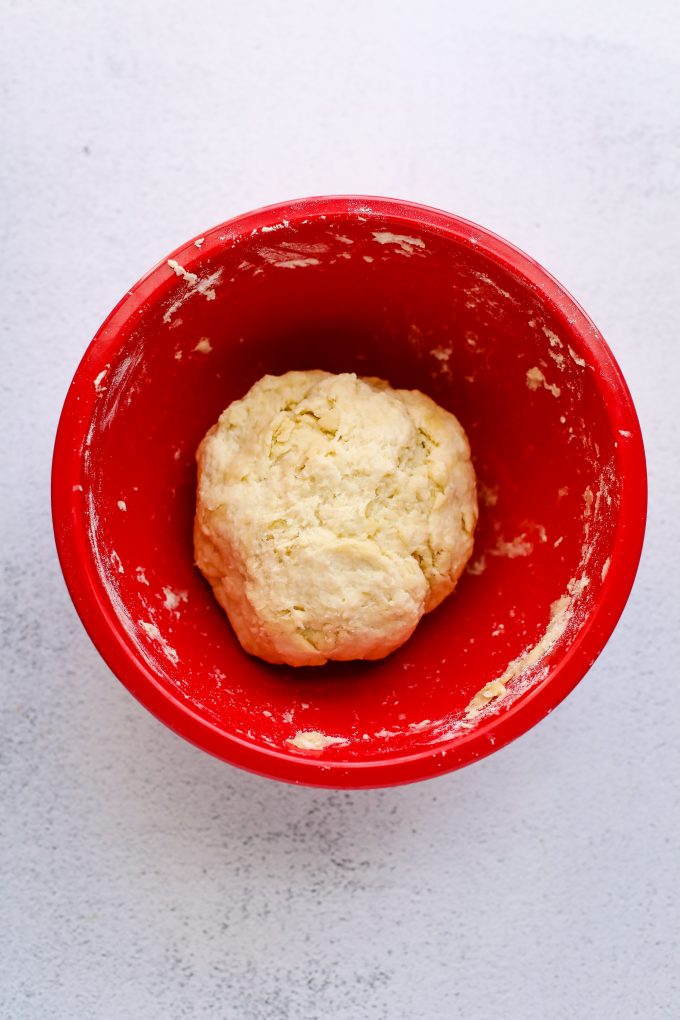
141	877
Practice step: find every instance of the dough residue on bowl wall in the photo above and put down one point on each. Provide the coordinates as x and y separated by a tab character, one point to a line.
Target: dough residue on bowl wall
561	612
405	245
205	286
152	631
536	379
291	255
312	740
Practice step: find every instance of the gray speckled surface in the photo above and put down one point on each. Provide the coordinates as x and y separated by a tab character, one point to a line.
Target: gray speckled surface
141	878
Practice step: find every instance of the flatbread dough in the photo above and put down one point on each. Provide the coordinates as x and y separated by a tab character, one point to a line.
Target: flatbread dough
332	512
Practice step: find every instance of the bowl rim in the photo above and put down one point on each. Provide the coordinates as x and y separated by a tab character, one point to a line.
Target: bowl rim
105	628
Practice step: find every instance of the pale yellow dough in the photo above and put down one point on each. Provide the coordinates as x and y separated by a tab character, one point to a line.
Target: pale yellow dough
332	512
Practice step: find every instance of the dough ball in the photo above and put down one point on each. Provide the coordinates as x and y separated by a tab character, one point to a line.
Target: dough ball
332	512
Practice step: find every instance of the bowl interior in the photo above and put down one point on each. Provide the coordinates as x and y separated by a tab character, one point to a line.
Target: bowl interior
360	291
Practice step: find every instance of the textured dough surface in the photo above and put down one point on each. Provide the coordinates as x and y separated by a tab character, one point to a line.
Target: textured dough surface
332	512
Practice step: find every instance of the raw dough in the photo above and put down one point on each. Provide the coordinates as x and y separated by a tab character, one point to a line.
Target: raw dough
332	512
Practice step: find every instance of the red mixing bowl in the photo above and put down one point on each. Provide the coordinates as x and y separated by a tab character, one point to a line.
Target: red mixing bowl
426	300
